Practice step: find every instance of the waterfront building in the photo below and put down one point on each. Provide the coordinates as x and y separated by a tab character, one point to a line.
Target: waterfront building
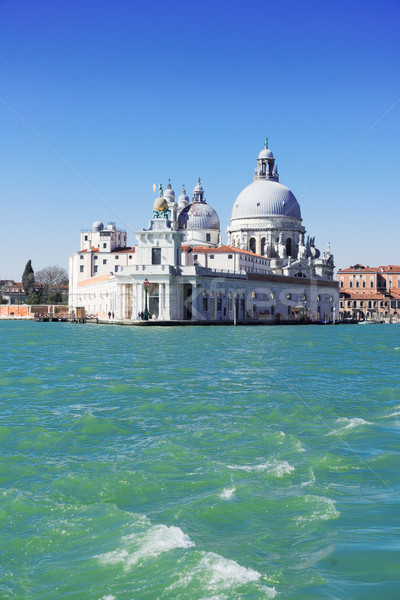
180	270
370	293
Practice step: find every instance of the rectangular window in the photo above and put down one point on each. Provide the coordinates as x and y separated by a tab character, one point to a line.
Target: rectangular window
104	245
364	283
96	257
208	237
205	304
81	256
95	269
358	283
116	268
85	238
341	283
194	256
104	261
156	256
371	282
130	256
230	255
117	257
219	304
81	269
351	283
211	256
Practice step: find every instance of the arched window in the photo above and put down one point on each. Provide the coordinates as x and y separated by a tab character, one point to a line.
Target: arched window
288	247
252	245
262	246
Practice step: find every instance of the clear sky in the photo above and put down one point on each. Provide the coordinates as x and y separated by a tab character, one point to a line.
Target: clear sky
133	93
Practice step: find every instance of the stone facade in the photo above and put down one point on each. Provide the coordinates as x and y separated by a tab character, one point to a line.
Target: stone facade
370	293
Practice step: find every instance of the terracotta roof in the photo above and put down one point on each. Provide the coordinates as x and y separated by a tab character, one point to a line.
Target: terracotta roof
119	250
221	250
362	269
360	296
122	250
97	279
387	268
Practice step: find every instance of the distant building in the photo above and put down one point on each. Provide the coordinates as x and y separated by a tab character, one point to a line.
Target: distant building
370	293
13	292
180	270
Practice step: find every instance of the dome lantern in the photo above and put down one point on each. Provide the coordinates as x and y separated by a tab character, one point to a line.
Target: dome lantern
198	192
169	193
266	168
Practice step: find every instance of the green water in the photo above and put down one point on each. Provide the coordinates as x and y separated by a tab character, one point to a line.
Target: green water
205	463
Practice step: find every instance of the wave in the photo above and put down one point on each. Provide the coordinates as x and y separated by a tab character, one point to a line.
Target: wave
148	544
279	468
321	509
216	574
227	493
350	424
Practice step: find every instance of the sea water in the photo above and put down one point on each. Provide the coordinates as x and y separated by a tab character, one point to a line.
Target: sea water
199	463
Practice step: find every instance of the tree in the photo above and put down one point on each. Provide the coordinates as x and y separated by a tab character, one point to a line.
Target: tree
52	278
28	279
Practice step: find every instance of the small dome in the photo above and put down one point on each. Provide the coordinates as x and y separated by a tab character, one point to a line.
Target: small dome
160	204
265	153
199	187
169	194
183	199
198	215
265	198
97	226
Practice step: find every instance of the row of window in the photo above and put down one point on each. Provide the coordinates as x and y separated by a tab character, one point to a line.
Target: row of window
389	282
95	268
371	304
116	257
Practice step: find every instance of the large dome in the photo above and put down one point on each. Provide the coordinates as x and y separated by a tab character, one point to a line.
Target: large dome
265	198
198	215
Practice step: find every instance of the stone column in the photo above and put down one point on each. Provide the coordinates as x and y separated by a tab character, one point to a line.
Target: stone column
123	307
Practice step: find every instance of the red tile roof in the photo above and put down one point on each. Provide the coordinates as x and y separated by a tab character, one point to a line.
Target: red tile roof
97	279
362	269
116	250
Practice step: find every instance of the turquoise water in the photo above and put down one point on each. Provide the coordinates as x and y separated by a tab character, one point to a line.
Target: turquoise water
199	463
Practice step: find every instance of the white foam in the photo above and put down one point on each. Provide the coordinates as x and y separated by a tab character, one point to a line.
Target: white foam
107	597
325	510
350	424
216	573
310	481
226	573
227	493
395	414
274	467
148	544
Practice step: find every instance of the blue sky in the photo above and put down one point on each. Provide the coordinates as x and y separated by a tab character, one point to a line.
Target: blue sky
129	94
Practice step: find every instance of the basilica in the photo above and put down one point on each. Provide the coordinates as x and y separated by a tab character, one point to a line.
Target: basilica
269	271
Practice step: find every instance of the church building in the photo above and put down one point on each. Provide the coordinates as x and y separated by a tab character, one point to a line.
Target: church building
180	270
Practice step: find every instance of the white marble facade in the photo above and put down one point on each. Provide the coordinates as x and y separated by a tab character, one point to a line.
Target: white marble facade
268	271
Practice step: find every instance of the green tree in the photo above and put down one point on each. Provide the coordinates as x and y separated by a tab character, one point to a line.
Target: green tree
28	279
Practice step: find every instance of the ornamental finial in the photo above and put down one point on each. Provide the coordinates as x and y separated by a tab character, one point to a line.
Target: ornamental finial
266	143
